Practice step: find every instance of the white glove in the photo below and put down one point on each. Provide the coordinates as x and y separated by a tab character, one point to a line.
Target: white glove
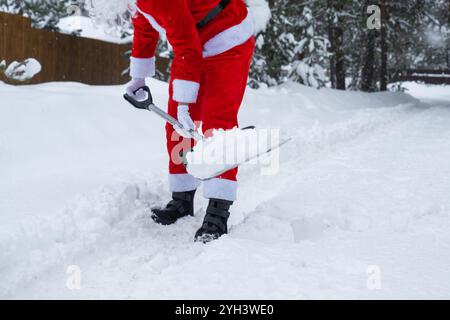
184	118
133	85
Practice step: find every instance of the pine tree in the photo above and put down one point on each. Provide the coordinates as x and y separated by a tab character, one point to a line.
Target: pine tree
447	34
291	48
43	13
433	41
272	52
377	54
384	76
311	52
337	14
369	40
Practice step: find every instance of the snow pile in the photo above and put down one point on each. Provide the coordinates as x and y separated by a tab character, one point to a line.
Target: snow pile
22	71
225	149
362	186
428	93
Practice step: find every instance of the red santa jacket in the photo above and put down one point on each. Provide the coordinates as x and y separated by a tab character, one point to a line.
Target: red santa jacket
178	19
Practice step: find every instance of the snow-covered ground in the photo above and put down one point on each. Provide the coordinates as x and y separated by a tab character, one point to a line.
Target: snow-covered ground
360	207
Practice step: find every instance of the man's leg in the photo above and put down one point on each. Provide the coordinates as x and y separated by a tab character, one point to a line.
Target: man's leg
224	80
182	184
179	179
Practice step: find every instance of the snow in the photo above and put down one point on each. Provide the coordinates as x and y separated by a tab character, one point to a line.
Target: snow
261	14
361	197
226	149
435	38
428	93
430	75
112	14
22	71
89	29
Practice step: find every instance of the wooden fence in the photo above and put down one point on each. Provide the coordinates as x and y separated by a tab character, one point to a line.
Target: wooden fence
428	76
63	57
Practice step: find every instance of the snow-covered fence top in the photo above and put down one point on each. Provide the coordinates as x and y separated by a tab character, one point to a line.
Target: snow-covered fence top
428	76
62	57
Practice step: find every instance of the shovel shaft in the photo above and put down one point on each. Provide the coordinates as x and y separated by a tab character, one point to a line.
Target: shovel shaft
164	115
150	106
174	122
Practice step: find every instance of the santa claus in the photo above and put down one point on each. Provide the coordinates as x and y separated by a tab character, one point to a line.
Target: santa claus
213	44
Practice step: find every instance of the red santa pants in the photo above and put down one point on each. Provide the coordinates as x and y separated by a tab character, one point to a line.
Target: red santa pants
223	82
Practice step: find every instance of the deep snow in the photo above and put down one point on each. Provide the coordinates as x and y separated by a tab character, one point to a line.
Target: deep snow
363	186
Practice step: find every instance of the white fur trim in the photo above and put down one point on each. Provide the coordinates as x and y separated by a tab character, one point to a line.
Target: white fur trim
220	189
185	91
182	182
142	67
229	38
152	21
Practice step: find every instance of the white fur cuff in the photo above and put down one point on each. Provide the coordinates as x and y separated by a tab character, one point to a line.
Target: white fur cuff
142	67
185	91
220	189
182	182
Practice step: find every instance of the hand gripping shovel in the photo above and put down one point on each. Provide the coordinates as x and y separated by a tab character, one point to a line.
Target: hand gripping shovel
149	105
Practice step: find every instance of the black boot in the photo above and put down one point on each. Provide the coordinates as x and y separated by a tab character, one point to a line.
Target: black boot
181	205
215	222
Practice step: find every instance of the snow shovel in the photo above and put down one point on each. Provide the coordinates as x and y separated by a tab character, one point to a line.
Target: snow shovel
150	106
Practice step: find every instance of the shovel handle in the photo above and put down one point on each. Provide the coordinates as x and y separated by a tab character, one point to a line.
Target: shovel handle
144	104
147	104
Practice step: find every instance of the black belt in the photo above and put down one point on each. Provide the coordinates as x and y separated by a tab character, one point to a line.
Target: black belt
213	13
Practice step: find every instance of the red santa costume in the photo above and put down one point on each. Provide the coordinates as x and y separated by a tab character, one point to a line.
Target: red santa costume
209	71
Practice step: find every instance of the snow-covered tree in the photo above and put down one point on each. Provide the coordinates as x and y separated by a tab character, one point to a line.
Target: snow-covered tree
290	48
310	52
43	13
374	55
434	41
338	15
113	16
